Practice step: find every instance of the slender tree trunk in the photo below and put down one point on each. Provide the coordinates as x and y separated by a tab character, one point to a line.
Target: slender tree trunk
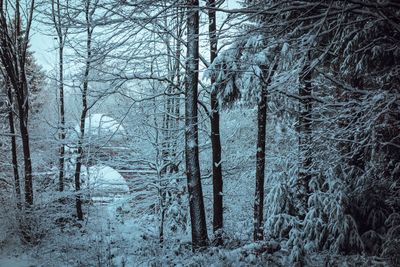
260	167
62	118
22	96
166	126
162	215
89	32
215	134
26	153
56	14
23	109
13	145
196	202
78	200
168	108
166	133
258	233
176	101
22	99
170	123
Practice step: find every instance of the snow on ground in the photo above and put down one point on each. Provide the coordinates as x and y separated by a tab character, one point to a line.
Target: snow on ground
108	237
118	231
17	261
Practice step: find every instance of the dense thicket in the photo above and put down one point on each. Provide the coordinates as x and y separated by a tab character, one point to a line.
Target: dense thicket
337	82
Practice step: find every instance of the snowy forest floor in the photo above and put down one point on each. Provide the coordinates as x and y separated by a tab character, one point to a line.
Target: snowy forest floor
108	239
129	236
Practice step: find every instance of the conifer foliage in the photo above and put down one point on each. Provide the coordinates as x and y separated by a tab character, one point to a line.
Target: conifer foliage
344	112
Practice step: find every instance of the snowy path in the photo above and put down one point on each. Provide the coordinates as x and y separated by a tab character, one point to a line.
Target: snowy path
115	230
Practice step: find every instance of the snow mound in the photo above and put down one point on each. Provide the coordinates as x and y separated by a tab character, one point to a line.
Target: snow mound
102	126
104	180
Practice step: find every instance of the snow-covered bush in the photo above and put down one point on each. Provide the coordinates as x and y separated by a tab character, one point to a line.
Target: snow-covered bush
175	203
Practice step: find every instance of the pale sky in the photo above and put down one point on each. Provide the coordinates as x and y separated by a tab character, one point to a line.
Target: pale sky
44	45
44	48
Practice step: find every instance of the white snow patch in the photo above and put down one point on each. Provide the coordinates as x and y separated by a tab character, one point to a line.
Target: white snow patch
105	180
378	97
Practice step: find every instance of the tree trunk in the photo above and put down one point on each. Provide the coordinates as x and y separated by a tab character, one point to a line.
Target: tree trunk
258	233
23	108
177	104
27	155
260	167
22	94
78	200
89	32
166	133
13	54
17	78
197	213
13	144
56	14
162	215
215	134
62	119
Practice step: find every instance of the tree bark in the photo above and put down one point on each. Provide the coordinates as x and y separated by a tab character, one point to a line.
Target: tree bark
262	108
196	202
13	54
13	144
89	31
62	121
22	98
56	13
260	167
177	102
19	84
215	133
27	157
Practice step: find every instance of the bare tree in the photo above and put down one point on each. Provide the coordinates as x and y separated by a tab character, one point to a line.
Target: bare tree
13	56
61	31
11	123
196	202
88	11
